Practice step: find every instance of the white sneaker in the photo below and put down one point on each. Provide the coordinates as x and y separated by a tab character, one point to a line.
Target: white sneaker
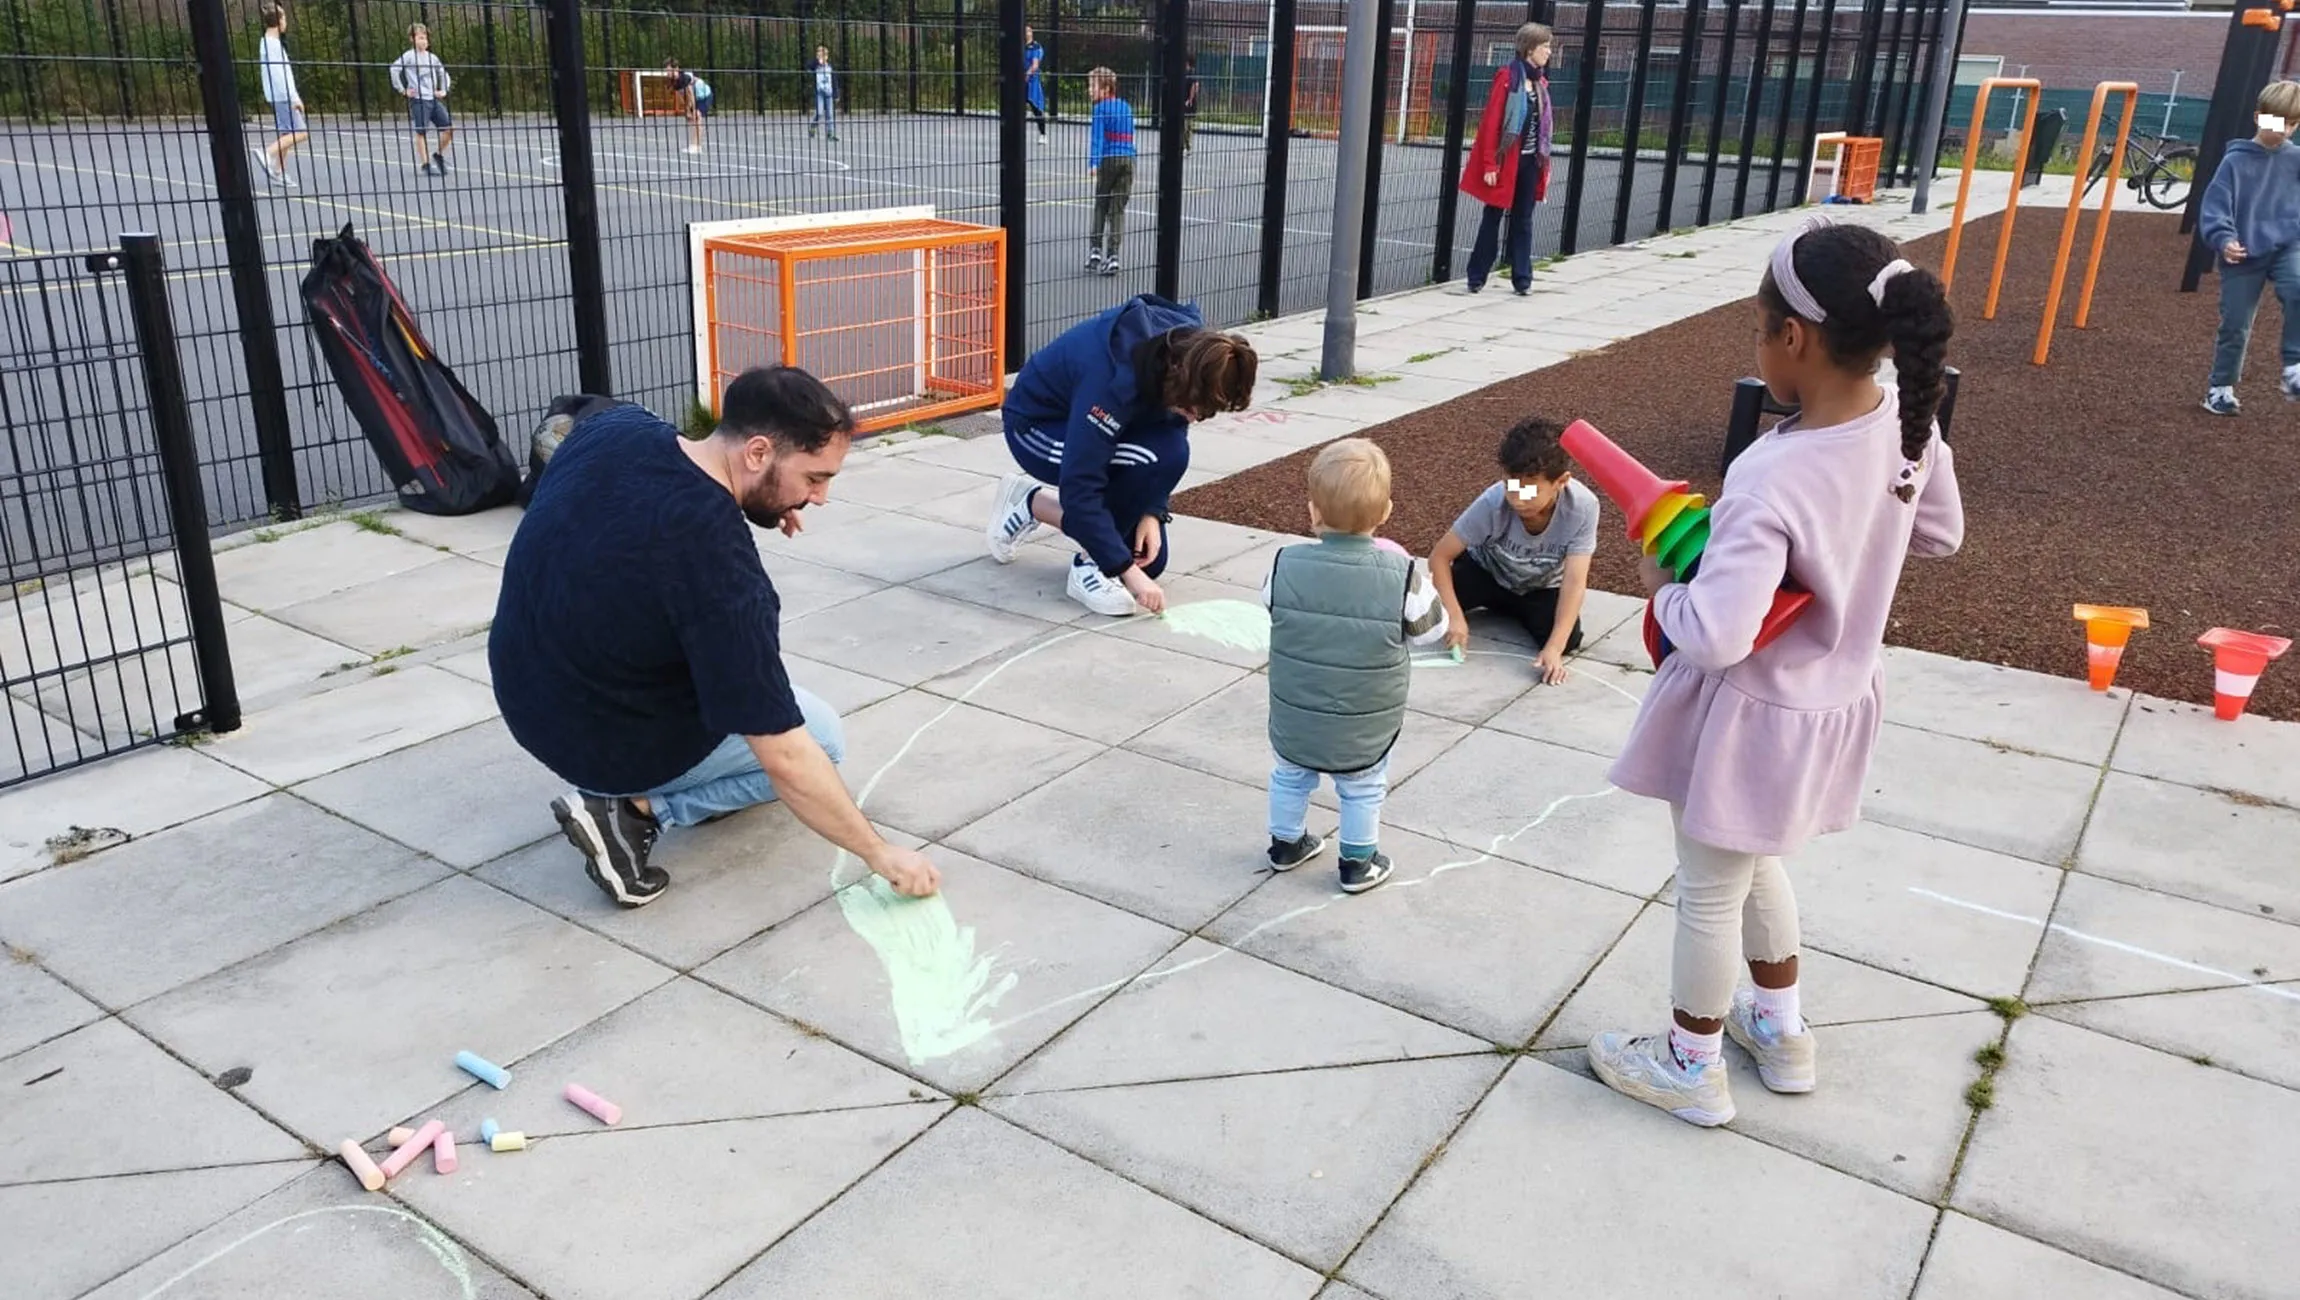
1645	1069
263	160
1785	1062
694	148
1096	592
2291	383
1011	523
2222	401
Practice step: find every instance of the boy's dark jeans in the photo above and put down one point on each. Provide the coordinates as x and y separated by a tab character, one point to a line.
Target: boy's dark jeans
2240	287
1536	610
1113	186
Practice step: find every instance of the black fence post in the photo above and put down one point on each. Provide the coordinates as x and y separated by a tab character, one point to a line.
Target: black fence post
120	60
958	58
1680	102
1813	100
358	57
494	62
244	255
758	67
1864	67
1633	125
563	23
1047	81
1788	99
910	32
1014	180
1456	125
1276	133
1717	110
1888	105
1385	17
140	257
1898	163
1173	85
1584	107
1751	108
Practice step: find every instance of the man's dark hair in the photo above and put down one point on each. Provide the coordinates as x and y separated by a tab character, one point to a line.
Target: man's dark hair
784	403
1530	449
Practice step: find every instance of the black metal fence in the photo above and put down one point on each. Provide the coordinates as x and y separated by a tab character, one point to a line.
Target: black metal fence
553	253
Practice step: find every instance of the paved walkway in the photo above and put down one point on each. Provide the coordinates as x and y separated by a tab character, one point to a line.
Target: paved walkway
1116	1058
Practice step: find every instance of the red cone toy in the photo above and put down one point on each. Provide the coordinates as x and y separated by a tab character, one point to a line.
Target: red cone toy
2238	659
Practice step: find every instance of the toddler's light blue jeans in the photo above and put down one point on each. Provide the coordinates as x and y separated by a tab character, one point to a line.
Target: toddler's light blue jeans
729	778
1360	793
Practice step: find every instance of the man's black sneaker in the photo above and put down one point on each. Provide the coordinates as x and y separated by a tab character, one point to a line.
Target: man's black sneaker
614	838
1285	855
1362	874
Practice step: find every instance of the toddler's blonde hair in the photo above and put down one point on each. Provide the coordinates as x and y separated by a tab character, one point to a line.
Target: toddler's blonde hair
1103	80
1350	486
2281	98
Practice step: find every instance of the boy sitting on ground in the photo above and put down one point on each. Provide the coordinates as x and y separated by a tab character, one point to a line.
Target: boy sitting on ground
1522	548
1343	616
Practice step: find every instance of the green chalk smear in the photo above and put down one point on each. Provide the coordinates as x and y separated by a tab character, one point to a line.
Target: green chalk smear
942	990
1239	624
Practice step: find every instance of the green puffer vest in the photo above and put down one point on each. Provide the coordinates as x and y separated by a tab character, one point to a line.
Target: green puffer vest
1339	664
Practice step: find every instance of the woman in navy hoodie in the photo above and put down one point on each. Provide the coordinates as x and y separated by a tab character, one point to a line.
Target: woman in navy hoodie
2251	219
1102	414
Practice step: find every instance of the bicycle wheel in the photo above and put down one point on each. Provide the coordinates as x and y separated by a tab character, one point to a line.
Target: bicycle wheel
2166	184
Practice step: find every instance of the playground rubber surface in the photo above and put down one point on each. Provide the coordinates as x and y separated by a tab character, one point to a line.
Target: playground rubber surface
2095	479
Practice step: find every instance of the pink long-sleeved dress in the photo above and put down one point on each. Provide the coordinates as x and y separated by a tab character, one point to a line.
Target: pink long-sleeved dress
1765	750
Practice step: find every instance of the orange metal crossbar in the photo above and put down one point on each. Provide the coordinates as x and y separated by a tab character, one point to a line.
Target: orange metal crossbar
2100	94
2035	91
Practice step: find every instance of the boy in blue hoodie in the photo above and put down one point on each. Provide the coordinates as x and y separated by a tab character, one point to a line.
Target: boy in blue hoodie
1110	157
2251	219
1103	415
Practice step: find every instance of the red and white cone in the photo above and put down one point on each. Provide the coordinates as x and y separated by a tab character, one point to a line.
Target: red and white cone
2238	659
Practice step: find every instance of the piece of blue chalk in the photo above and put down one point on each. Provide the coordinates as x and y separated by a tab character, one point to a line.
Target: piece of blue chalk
487	1131
484	1070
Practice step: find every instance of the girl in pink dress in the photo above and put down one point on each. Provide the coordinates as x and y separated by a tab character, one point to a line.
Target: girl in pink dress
1756	752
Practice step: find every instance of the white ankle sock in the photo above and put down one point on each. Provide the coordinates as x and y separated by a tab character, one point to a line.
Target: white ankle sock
1696	1049
1780	1007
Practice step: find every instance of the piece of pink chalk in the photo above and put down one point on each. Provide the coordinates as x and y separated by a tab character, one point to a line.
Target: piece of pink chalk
399	1136
413	1147
360	1165
443	1153
607	1111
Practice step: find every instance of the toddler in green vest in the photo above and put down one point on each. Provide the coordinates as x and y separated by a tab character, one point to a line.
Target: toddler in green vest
1344	615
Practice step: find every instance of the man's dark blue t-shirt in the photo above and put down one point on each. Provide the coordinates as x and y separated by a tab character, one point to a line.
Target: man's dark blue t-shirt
637	628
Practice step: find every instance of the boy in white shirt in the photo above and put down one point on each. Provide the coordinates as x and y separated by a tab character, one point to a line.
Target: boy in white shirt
419	75
280	92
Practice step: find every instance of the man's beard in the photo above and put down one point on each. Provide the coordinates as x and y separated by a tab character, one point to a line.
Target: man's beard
759	504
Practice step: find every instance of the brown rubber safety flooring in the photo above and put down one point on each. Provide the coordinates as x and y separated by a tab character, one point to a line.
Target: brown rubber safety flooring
2095	479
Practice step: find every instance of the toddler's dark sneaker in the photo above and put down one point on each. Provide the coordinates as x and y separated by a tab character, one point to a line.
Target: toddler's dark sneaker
1285	855
614	838
2222	401
1362	874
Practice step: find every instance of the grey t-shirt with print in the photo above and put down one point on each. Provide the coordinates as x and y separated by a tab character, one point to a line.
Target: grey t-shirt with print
1523	561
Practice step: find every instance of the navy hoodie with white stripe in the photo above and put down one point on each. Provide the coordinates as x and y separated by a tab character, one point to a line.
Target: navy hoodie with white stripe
1084	403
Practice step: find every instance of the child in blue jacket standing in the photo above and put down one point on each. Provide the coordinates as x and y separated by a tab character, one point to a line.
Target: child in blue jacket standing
1102	414
1110	157
2251	219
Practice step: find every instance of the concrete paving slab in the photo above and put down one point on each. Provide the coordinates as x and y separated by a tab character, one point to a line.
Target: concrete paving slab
1228	735
1473	691
1179	848
318	1238
35	1006
1204	1011
954	989
845	691
1590	710
890	548
2228	849
2201	1206
1972	1260
1291	430
906	636
464	534
67	1237
2110	940
471	665
306	563
1344	1291
1303	1161
969	508
438	602
156	913
1099	687
804	588
331	1060
1910	904
1978	794
1249	569
1600	1221
1624	645
1034	585
366	718
1169	632
899	482
2254	1031
172	784
2184	743
984	455
103	1101
1196	545
65	621
1426	941
1541	804
716	1195
468	797
953	762
1229	453
1015	1219
271	660
2059	717
42	742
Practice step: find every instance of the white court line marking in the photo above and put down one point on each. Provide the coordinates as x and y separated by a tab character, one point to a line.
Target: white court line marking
2115	945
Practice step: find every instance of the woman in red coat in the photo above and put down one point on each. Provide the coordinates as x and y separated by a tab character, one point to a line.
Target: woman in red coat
1508	169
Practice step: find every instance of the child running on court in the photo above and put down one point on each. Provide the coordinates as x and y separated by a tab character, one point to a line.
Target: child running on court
2251	219
694	98
825	95
281	94
1522	548
419	75
1110	158
1344	615
1756	751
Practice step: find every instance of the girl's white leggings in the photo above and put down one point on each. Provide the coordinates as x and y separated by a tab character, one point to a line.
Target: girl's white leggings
1732	908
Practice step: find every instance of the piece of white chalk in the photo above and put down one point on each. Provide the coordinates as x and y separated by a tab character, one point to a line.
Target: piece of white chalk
484	1070
443	1152
399	1136
487	1130
413	1147
508	1140
356	1159
608	1112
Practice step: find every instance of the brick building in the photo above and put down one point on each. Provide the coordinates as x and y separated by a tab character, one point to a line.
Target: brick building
2170	47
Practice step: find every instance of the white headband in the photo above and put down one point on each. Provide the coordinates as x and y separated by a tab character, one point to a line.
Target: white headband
1793	290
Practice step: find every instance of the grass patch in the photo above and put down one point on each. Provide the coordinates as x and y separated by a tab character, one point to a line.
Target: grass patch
2008	1009
31	586
967	1098
929	430
22	956
79	842
1684	256
2205	1061
1989	1057
2238	797
1302	385
700	422
382	669
371	522
396	652
1419	357
1982	1094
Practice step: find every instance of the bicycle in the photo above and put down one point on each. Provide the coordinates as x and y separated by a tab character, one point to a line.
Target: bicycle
2160	174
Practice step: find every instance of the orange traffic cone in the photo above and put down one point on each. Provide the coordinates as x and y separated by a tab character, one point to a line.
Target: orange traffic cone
2238	659
1620	476
2106	629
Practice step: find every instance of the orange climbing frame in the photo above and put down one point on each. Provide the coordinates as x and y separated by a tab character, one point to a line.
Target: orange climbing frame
2108	189
2035	91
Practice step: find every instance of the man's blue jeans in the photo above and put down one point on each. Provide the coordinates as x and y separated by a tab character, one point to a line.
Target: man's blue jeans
2240	289
729	779
1361	795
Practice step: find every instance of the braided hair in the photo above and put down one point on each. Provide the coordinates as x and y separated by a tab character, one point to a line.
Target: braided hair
1837	264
